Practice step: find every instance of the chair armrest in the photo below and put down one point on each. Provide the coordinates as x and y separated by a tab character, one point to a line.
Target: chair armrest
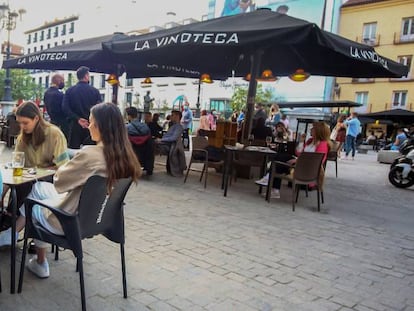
67	220
284	164
204	151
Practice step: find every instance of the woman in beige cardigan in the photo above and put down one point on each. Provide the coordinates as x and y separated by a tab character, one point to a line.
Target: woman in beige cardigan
111	157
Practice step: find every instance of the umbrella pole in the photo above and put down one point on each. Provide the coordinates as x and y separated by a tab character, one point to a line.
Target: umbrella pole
115	94
251	93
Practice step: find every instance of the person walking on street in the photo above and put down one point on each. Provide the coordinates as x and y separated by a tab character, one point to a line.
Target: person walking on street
53	100
77	103
187	123
352	131
147	101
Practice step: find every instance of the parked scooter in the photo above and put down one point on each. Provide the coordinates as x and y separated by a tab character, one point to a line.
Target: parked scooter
401	173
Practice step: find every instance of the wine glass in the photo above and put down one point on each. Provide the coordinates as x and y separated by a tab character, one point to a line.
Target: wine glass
250	138
268	140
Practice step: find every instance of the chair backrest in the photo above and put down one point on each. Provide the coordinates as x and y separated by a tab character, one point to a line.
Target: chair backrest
308	166
100	213
333	152
14	127
199	142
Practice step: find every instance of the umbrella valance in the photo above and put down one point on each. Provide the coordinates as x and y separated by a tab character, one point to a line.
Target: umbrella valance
395	115
87	52
220	46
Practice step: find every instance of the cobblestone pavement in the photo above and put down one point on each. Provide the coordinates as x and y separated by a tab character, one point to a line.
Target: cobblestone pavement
188	248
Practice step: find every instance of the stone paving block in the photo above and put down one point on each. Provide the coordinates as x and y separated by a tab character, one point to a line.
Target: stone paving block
229	304
162	306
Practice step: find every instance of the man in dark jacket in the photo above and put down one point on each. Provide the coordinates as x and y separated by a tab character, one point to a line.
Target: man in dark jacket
139	135
53	99
77	102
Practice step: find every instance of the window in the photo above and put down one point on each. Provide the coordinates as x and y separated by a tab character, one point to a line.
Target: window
56	44
29	39
102	97
102	81
56	33
40	80
34	49
72	27
48	45
369	33
63	42
42	35
63	30
129	82
128	98
71	40
92	81
361	98
41	47
399	99
49	33
47	82
35	37
407	32
70	78
406	60
28	50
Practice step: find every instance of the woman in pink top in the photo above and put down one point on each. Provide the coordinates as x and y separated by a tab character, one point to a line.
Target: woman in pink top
319	142
204	123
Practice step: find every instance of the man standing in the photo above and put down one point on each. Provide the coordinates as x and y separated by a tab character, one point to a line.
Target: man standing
187	123
77	102
53	99
352	131
147	101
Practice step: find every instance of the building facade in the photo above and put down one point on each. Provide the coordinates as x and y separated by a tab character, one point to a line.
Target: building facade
388	25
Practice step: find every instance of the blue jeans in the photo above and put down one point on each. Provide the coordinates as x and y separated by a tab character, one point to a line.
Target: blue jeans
350	144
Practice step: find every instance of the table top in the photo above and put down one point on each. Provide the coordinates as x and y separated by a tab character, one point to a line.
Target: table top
9	179
250	149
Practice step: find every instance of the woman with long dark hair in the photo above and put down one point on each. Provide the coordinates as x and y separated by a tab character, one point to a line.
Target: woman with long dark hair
112	157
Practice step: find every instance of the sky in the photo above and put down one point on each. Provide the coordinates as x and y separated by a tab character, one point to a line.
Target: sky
104	16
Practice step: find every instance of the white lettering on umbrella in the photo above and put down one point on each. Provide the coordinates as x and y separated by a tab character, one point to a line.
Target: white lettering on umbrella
58	56
201	38
368	55
48	56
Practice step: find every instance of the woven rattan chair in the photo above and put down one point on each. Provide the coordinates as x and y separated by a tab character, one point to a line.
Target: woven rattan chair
306	170
199	154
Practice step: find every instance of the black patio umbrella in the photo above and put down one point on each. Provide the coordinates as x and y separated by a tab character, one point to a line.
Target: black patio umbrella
395	115
87	52
249	43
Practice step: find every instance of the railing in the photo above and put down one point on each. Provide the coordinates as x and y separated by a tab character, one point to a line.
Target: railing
369	41
363	80
403	39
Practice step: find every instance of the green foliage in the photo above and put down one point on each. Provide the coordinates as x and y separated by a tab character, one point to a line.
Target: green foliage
22	84
239	99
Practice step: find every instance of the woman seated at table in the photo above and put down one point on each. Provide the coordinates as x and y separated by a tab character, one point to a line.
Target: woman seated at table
111	157
318	142
281	133
43	144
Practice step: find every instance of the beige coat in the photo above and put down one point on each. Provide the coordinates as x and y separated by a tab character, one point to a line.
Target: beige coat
72	176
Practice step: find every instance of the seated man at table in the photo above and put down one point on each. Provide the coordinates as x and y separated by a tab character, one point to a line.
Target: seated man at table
171	145
139	135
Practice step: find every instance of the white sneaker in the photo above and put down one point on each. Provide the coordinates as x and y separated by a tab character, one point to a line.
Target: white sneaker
40	270
5	237
263	181
275	194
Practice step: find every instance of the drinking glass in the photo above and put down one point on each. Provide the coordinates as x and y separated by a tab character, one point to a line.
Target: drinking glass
18	163
250	138
268	140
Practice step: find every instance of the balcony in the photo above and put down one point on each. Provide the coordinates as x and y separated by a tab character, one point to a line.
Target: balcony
400	38
363	80
375	41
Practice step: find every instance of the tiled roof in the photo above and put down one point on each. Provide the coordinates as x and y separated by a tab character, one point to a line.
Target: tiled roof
360	2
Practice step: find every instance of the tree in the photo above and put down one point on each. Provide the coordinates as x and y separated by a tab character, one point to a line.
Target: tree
239	99
23	86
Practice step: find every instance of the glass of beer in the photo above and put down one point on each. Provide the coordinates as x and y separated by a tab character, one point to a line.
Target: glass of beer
18	163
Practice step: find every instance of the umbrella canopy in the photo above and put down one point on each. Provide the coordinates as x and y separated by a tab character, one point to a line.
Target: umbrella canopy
88	52
395	115
220	46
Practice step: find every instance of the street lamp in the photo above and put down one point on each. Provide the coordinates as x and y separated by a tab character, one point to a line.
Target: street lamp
8	20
